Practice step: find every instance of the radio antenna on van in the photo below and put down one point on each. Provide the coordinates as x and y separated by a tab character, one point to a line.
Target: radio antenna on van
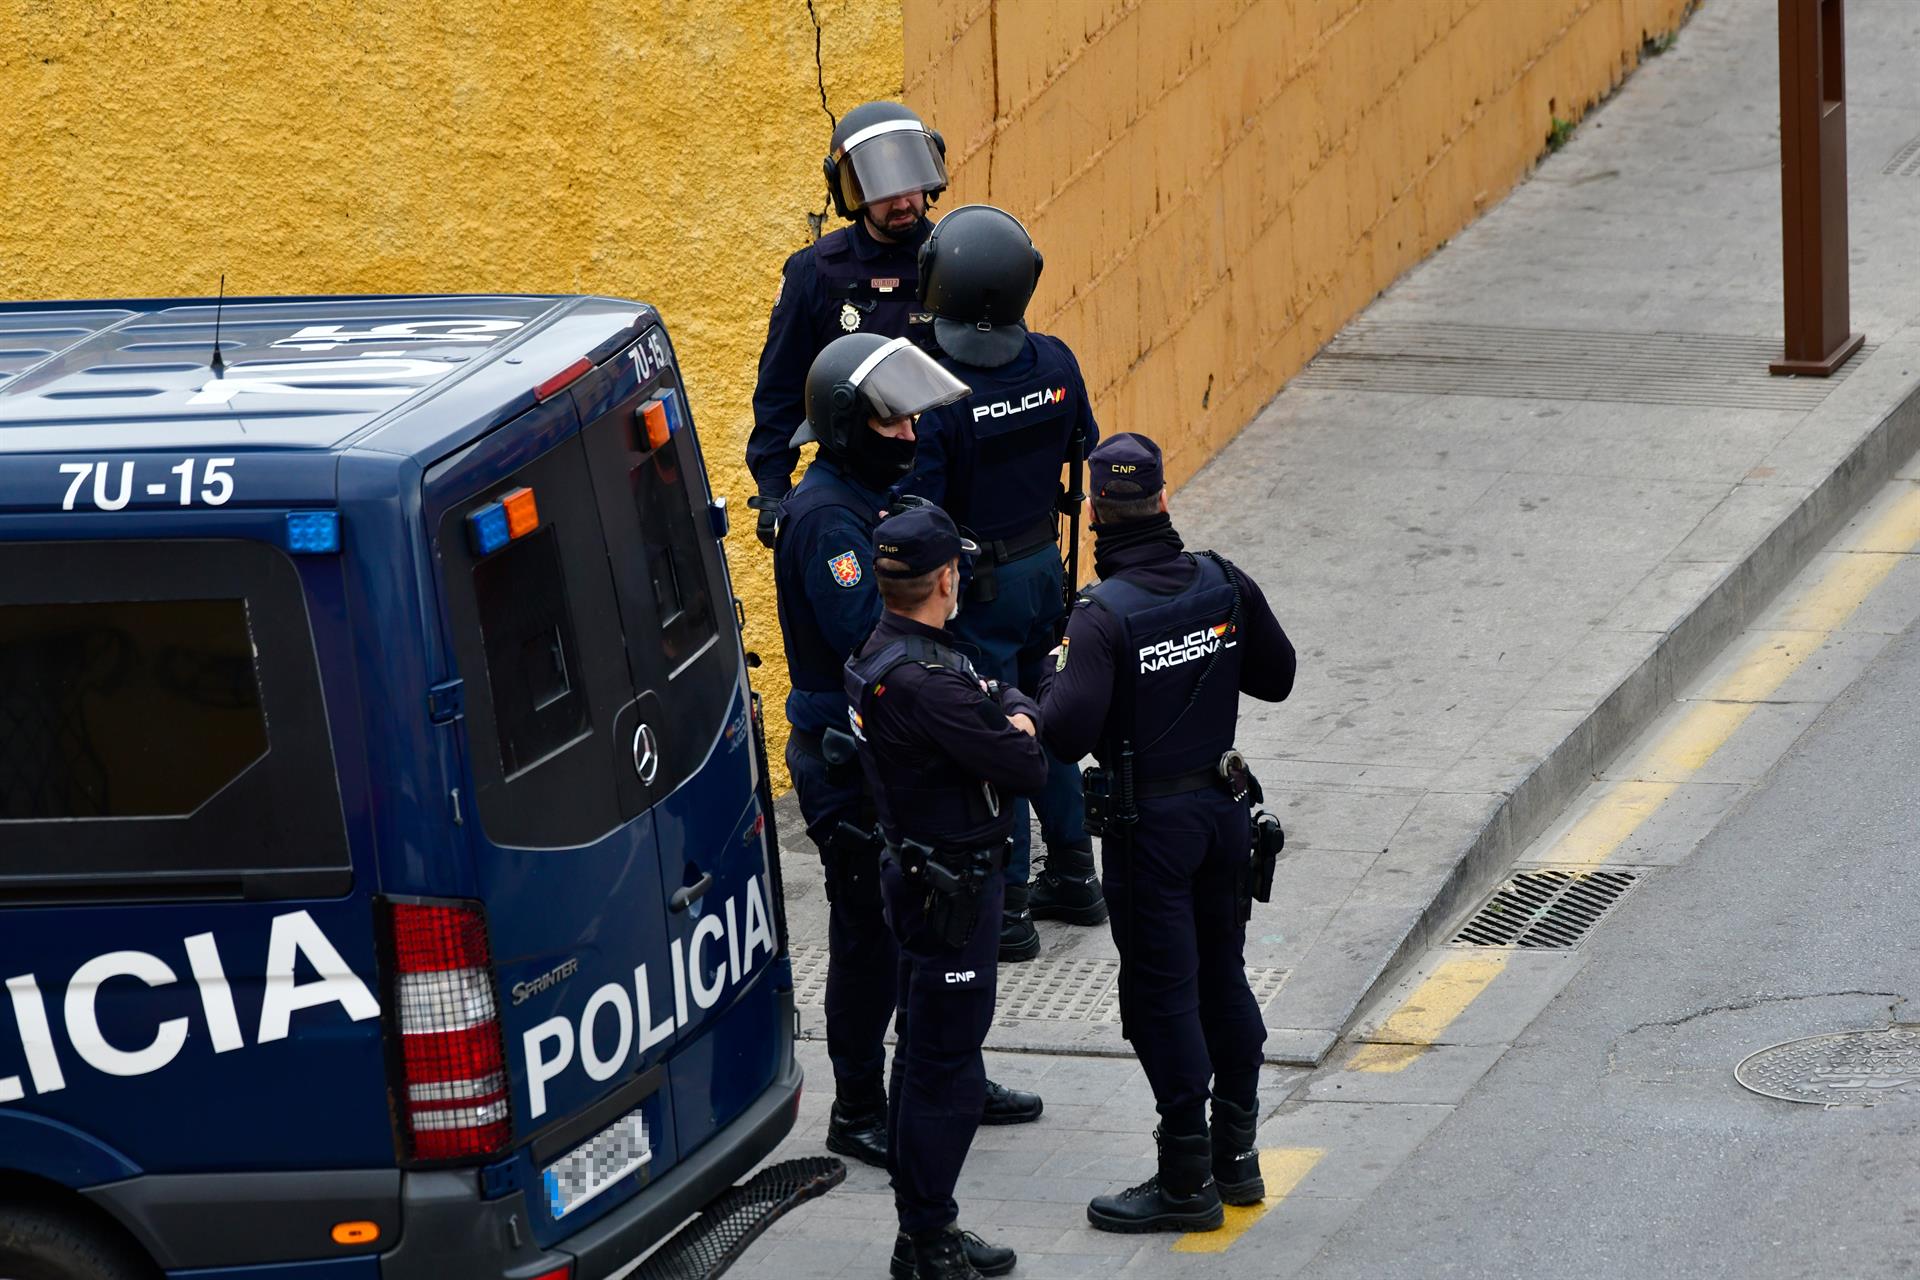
218	365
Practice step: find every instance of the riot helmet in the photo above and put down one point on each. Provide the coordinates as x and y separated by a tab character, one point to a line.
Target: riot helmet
862	376
881	150
978	270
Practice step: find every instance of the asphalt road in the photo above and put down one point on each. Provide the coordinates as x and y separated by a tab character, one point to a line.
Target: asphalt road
1613	1140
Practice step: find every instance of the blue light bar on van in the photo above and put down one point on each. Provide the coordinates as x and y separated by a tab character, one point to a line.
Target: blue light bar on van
675	414
313	532
487	528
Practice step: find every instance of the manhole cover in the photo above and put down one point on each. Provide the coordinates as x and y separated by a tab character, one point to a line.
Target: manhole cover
1849	1068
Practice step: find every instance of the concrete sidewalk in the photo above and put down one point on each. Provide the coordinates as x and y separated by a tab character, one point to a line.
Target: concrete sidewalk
1530	490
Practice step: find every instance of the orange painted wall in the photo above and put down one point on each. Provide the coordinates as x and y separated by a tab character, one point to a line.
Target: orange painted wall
1218	185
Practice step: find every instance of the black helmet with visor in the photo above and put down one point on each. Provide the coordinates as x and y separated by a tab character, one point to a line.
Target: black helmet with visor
881	150
862	376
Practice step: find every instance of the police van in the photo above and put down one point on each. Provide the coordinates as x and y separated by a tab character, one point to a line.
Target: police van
386	885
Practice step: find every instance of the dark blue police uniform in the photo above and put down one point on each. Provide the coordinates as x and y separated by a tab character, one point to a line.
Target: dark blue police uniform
828	605
993	462
845	282
1161	624
942	756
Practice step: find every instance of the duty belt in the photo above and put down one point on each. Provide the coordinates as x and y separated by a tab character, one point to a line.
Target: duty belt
1020	545
996	851
1179	784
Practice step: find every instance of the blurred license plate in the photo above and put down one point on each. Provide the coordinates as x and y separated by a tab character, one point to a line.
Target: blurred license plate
597	1164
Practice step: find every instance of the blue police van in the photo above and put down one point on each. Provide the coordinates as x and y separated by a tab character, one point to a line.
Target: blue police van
387	885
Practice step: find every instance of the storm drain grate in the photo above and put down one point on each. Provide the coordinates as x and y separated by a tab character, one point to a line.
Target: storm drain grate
1709	370
1905	162
1066	989
1545	909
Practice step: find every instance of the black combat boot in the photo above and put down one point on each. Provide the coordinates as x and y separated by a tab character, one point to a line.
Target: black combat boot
942	1255
987	1259
1180	1197
1019	940
1009	1106
857	1126
1236	1161
1068	888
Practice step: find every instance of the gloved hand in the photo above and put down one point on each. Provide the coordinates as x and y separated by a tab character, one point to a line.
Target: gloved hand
768	525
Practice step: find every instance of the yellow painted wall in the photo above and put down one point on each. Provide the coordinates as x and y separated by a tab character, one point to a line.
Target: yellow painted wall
1218	185
667	150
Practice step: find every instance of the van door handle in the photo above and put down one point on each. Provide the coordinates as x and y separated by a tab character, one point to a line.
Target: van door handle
646	754
683	896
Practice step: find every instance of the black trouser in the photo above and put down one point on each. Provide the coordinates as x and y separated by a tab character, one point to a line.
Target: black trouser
939	1077
1175	903
861	955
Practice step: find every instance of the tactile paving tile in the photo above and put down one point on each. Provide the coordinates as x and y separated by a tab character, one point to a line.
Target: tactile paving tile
1420	358
1067	989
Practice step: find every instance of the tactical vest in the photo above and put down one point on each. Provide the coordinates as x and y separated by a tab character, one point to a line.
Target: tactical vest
812	664
856	305
1020	428
939	805
1166	643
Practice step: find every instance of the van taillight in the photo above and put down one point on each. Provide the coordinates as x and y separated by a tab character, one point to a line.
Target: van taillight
452	1089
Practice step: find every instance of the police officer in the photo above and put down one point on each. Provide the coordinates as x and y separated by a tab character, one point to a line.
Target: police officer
883	169
861	397
1149	679
943	751
993	460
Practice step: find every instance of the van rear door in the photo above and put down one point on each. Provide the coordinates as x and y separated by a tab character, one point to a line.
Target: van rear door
683	651
564	846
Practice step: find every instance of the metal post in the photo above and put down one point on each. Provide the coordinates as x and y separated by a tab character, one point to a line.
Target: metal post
1813	187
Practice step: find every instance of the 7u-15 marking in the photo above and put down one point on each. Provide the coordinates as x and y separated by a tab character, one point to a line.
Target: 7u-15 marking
111	494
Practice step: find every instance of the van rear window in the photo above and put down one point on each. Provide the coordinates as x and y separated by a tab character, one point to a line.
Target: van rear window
162	726
126	709
531	653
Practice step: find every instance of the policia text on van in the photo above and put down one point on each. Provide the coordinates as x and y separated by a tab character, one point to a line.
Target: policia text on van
387	887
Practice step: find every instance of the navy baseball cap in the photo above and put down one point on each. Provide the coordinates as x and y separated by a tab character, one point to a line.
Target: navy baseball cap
1126	466
923	538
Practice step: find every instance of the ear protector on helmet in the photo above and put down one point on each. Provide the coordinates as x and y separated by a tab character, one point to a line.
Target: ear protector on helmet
930	252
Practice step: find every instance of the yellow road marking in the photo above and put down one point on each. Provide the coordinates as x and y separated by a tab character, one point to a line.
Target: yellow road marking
1615	815
1895	529
1691	742
1428	1011
1282	1168
1849	580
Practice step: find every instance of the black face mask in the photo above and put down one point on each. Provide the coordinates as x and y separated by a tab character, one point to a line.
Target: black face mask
878	461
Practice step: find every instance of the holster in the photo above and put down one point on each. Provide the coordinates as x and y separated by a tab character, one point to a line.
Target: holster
1268	840
1100	797
985	588
842	755
852	863
954	880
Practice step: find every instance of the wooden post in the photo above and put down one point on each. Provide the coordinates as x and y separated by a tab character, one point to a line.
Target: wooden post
1813	187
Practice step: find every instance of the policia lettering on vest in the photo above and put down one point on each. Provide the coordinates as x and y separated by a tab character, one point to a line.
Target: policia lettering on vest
944	750
1148	679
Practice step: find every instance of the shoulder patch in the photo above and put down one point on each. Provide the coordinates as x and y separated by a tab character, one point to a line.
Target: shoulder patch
1060	663
780	290
845	568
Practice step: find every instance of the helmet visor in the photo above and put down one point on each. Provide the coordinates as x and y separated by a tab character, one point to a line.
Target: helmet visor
899	380
880	166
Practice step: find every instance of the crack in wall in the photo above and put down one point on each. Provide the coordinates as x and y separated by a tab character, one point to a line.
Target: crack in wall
815	221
